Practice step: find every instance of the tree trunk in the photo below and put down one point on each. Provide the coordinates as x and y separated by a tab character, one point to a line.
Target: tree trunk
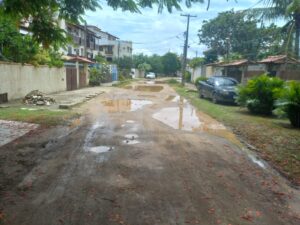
297	36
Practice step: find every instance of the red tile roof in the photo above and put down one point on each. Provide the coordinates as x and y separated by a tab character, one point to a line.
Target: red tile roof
279	59
236	63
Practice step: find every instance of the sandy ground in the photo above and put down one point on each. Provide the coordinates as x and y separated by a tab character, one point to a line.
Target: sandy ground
140	156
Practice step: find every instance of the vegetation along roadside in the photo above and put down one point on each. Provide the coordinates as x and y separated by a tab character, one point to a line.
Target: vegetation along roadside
275	140
39	116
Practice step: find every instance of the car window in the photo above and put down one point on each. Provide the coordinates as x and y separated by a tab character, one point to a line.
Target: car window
224	82
210	81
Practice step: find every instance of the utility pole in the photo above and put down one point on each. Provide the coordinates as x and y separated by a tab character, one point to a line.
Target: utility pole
185	45
196	54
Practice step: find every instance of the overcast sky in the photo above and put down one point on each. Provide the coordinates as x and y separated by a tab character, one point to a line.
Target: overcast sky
156	33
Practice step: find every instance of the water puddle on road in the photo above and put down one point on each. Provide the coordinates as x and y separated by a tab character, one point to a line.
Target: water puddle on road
124	105
257	161
131	139
100	149
149	82
186	117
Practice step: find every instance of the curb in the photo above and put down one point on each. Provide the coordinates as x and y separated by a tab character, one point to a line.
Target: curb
69	105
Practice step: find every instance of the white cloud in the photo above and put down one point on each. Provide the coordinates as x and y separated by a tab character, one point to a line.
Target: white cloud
159	33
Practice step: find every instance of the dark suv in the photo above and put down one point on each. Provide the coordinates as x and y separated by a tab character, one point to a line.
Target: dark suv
218	88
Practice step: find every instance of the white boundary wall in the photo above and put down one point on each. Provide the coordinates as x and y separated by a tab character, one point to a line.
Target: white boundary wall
17	80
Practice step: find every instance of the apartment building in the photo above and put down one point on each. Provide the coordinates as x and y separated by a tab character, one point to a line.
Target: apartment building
91	41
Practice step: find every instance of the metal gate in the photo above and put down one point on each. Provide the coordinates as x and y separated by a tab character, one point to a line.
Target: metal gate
82	79
71	78
3	98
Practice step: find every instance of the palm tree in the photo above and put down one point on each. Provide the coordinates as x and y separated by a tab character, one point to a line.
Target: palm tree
288	10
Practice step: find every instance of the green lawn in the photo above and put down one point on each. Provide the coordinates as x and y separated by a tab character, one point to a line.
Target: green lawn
274	139
40	116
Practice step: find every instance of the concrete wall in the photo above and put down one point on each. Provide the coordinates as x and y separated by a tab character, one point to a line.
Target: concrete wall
18	80
197	72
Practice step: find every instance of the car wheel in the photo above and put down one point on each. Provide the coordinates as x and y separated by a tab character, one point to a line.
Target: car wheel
201	94
214	98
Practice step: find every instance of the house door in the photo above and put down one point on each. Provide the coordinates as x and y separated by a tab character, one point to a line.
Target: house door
71	78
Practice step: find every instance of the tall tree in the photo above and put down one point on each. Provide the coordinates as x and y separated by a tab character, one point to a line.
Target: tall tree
234	32
171	63
289	10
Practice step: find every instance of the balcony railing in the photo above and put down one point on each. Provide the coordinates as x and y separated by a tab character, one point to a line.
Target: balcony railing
104	42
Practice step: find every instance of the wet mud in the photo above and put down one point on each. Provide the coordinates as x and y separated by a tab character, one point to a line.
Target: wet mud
142	160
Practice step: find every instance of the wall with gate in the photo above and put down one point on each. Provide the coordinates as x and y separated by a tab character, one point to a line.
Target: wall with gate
17	80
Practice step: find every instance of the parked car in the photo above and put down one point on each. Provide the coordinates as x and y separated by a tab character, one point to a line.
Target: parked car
218	88
150	75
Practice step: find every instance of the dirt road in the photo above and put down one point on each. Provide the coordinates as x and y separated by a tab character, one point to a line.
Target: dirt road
139	156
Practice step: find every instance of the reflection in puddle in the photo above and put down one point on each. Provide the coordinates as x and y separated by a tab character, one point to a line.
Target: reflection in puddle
125	105
148	88
131	136
185	117
100	149
179	99
182	118
170	97
131	142
131	139
257	161
150	82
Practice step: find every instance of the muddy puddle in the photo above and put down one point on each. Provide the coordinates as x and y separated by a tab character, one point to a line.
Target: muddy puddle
185	117
100	149
124	105
131	139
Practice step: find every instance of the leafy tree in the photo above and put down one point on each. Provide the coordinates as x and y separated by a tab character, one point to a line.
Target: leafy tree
210	56
144	67
43	14
156	64
235	32
14	46
288	10
124	65
195	62
171	63
124	62
139	59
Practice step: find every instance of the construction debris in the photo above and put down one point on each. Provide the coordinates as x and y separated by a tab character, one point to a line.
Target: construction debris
38	98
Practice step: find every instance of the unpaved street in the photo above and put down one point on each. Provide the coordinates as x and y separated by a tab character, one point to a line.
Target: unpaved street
141	155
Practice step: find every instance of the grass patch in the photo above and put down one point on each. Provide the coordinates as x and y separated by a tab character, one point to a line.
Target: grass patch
40	116
275	140
123	83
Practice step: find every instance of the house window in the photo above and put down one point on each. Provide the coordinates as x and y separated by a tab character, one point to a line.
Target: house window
69	50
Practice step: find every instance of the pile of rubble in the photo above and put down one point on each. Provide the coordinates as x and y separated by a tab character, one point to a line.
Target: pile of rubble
38	98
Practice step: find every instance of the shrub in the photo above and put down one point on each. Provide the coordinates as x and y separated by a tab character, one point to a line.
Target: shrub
260	94
172	81
95	77
200	79
99	74
289	102
122	77
187	76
